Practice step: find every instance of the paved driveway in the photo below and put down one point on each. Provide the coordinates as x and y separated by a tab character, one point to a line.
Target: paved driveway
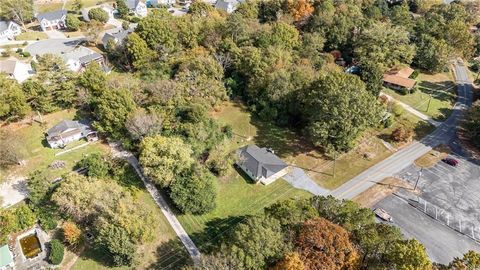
13	191
54	46
441	242
299	179
55	34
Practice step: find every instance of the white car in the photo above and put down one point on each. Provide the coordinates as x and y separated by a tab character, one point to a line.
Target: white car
382	214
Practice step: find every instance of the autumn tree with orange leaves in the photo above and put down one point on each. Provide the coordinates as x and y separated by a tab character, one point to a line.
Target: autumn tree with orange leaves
323	245
291	261
300	9
71	233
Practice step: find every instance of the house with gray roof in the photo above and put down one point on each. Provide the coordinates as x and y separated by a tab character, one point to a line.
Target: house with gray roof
115	36
52	20
9	30
68	131
80	57
261	164
137	7
228	6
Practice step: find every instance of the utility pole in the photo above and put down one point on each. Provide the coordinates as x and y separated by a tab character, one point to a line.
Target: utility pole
429	101
334	163
418	179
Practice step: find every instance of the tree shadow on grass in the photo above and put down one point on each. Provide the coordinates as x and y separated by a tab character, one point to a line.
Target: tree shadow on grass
216	232
284	141
438	89
171	255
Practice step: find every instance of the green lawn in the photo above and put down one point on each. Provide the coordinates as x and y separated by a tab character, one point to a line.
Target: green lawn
58	5
236	198
31	35
439	86
37	154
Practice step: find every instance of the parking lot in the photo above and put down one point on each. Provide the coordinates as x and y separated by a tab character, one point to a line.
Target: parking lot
449	203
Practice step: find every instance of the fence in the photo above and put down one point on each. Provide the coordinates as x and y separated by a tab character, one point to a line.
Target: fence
456	222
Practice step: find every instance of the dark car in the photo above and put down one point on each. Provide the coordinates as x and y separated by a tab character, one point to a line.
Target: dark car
451	161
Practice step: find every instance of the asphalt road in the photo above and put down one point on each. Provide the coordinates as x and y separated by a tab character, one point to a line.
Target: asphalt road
53	46
444	134
441	242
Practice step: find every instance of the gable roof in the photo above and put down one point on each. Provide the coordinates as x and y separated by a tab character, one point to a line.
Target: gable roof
6	257
118	34
225	4
51	16
4	25
64	126
400	77
132	4
82	54
255	159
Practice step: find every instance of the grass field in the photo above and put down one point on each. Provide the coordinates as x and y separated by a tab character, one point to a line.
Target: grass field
236	198
46	7
32	35
37	154
296	150
439	86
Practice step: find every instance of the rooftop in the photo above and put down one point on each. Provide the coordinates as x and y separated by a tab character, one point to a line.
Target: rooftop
8	66
64	126
255	158
4	25
51	16
6	257
400	77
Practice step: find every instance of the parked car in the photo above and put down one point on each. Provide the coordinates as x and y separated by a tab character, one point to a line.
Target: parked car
450	161
382	214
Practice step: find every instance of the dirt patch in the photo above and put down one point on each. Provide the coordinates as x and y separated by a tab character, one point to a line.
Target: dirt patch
378	192
433	156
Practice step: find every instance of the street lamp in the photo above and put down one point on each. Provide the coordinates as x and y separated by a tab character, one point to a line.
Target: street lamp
418	178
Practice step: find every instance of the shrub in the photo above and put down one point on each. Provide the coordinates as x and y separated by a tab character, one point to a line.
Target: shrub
19	50
125	25
388	121
26	54
414	74
397	109
402	134
72	22
56	252
98	14
71	233
472	124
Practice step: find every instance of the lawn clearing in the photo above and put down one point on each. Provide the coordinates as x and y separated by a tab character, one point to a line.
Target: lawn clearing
237	197
31	35
296	150
44	6
442	89
38	155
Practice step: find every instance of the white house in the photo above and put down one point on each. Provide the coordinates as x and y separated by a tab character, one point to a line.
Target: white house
52	20
80	57
16	70
137	7
9	30
228	6
155	3
68	131
116	35
261	164
106	7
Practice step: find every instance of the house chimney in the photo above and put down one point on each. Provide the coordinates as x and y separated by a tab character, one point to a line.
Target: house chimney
270	150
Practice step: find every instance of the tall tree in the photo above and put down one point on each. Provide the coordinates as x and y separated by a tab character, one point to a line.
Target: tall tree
139	53
164	158
408	254
20	11
13	104
38	186
338	109
324	245
291	261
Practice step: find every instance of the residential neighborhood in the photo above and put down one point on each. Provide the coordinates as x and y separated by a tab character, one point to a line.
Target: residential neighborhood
239	134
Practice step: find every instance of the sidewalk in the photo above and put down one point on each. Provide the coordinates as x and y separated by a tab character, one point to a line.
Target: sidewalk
413	111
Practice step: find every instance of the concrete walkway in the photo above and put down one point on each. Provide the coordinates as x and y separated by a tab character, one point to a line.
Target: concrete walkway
413	111
403	158
299	179
190	246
